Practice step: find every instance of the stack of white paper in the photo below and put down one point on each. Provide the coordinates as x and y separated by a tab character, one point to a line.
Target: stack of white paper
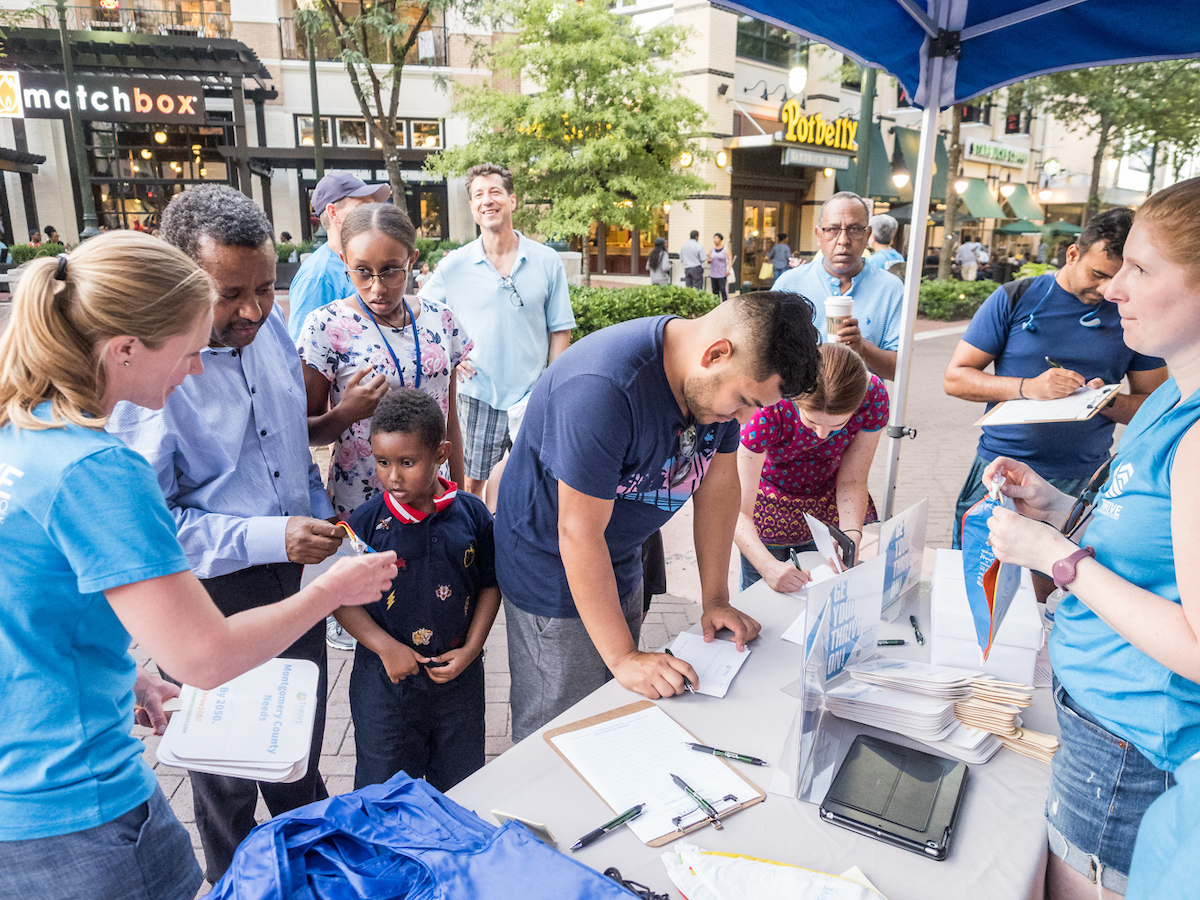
972	745
938	682
922	718
257	726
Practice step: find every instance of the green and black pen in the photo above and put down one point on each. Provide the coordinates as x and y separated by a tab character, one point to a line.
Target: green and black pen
687	682
728	754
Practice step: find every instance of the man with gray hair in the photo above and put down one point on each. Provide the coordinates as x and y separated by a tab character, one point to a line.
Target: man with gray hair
231	451
883	232
873	329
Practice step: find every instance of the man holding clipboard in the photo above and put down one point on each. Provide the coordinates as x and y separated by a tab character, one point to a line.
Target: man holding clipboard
1047	337
620	432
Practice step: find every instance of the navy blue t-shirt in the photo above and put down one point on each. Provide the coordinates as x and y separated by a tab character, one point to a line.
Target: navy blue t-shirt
1053	449
444	561
602	419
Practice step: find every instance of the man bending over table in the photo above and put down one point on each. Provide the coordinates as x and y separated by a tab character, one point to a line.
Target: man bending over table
622	429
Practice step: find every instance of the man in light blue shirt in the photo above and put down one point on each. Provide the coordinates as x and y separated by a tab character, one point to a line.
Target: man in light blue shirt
230	448
883	232
511	295
322	277
874	328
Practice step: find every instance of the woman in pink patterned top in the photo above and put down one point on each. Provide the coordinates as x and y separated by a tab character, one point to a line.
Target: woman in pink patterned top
808	455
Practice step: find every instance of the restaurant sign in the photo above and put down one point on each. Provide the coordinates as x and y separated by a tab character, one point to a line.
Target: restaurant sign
816	130
996	153
37	95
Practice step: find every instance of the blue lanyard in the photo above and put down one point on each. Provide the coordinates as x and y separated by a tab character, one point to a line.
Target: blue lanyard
416	340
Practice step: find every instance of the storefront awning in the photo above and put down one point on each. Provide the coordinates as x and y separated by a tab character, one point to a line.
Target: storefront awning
903	215
979	200
1024	205
1021	226
909	142
880	183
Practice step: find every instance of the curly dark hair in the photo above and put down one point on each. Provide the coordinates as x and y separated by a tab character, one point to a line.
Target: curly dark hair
777	329
1111	226
229	217
409	411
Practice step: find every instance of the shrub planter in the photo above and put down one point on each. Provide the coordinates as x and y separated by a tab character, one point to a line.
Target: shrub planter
284	273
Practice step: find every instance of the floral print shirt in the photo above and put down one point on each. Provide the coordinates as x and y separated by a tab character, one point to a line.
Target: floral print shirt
337	342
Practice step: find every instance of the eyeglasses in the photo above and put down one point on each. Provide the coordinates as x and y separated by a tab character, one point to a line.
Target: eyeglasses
1081	511
388	277
507	282
681	468
854	232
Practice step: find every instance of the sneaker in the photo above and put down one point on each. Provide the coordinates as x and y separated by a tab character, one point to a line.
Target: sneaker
336	636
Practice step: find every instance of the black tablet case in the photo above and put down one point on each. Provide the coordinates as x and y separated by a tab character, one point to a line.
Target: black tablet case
900	796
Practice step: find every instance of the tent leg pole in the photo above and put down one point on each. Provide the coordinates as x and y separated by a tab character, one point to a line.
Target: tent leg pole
922	185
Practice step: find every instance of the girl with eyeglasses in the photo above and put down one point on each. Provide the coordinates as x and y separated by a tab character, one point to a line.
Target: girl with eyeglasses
810	454
358	348
1126	640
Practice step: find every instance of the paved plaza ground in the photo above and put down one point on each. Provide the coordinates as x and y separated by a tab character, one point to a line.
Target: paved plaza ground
933	465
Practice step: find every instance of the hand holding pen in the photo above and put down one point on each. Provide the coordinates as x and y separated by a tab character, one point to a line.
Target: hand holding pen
1055	382
653	675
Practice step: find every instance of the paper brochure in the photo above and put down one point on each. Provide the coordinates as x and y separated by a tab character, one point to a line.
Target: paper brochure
716	662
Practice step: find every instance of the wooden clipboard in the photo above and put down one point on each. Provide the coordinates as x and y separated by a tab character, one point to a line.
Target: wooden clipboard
759	795
1093	406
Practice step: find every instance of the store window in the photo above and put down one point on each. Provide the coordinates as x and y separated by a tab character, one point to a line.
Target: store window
426	135
767	43
352	132
137	167
304	131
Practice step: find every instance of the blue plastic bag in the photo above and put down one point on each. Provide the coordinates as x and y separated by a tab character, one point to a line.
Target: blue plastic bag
991	585
402	839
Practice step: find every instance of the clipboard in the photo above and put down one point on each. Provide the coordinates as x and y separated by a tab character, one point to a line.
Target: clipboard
1077	407
755	794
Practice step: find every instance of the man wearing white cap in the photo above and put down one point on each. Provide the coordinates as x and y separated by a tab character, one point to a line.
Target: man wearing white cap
322	277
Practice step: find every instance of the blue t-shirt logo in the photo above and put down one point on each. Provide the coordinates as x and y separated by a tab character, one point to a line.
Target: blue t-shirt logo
1120	478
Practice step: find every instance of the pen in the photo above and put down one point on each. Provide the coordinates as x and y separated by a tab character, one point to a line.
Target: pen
891	642
795	559
1053	363
623	819
727	754
917	630
687	682
708	809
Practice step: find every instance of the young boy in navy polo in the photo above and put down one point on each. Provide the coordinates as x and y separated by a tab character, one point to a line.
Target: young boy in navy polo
416	689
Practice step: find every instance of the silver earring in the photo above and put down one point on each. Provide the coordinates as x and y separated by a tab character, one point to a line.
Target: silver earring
126	362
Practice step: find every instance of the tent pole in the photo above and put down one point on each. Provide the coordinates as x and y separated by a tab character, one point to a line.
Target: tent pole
922	185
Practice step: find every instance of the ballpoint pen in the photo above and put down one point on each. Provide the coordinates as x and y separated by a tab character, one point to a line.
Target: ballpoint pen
707	808
1056	365
795	559
917	630
728	754
623	819
891	642
687	682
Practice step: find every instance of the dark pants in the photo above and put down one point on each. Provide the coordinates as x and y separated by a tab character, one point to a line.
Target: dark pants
693	277
973	491
654	569
718	288
432	734
224	805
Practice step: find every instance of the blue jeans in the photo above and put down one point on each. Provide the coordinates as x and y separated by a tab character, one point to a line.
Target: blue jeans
435	733
144	854
1100	787
973	491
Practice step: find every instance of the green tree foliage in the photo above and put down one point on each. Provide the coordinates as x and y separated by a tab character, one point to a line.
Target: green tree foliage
374	39
1126	107
602	138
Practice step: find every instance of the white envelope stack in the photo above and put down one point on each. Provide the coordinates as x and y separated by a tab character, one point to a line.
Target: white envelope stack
257	726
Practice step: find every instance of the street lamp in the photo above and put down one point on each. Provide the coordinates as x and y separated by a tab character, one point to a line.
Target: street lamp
81	161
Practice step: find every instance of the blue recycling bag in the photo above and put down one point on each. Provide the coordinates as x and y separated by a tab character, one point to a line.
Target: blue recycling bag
403	839
991	585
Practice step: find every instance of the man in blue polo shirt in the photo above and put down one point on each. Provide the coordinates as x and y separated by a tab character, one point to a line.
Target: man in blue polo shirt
874	329
322	277
510	293
1047	337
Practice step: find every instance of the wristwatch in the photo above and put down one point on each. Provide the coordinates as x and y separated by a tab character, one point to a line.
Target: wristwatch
1064	570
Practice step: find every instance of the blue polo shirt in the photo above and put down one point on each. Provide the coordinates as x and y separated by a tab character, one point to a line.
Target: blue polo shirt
444	560
320	279
884	258
878	299
1053	449
604	421
511	327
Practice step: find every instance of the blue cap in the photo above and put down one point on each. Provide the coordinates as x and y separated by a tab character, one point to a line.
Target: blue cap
336	186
